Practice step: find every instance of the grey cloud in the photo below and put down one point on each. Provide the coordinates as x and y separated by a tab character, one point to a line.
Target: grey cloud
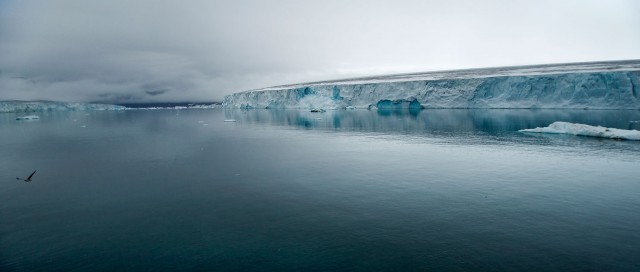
114	97
202	50
156	92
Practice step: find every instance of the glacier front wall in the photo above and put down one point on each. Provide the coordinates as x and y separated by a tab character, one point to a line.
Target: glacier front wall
595	90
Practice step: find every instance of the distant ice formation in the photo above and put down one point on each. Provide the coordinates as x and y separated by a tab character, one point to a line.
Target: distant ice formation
603	85
586	130
37	106
194	106
28	117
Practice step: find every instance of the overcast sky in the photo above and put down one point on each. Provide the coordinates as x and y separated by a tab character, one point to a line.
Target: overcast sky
201	50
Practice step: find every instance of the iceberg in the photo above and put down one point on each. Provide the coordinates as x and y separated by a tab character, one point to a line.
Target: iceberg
600	85
38	106
586	130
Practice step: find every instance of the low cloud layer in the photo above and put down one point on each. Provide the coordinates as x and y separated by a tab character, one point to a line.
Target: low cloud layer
136	51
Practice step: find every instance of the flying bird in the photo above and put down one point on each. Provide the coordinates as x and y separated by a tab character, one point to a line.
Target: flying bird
28	179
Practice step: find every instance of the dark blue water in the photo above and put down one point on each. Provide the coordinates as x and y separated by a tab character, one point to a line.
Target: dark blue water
454	190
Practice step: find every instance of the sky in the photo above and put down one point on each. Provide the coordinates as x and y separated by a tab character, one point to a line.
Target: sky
120	51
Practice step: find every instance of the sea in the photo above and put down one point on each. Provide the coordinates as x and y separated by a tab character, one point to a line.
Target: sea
293	190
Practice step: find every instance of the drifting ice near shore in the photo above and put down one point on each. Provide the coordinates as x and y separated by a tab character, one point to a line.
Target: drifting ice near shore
603	85
586	130
24	106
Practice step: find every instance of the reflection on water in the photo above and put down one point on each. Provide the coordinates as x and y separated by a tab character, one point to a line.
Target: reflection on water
434	190
455	126
435	120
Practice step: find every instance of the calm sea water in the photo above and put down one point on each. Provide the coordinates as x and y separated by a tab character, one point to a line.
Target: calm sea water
439	190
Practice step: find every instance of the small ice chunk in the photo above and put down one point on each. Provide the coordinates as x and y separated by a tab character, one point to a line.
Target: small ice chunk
28	117
586	130
229	120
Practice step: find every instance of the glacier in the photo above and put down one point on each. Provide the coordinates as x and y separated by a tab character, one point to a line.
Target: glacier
595	85
37	106
586	130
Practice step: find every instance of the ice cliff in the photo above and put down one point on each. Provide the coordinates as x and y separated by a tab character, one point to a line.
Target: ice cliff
36	106
603	85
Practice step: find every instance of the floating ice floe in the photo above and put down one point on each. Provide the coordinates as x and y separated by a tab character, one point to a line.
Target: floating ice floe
28	117
586	130
229	120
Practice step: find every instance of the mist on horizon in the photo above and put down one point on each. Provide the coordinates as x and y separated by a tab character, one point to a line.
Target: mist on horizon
150	51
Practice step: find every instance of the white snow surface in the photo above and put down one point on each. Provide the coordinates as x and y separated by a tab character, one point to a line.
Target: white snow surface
602	85
586	130
37	106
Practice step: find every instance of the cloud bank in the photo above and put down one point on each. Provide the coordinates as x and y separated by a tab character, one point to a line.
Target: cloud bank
136	51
